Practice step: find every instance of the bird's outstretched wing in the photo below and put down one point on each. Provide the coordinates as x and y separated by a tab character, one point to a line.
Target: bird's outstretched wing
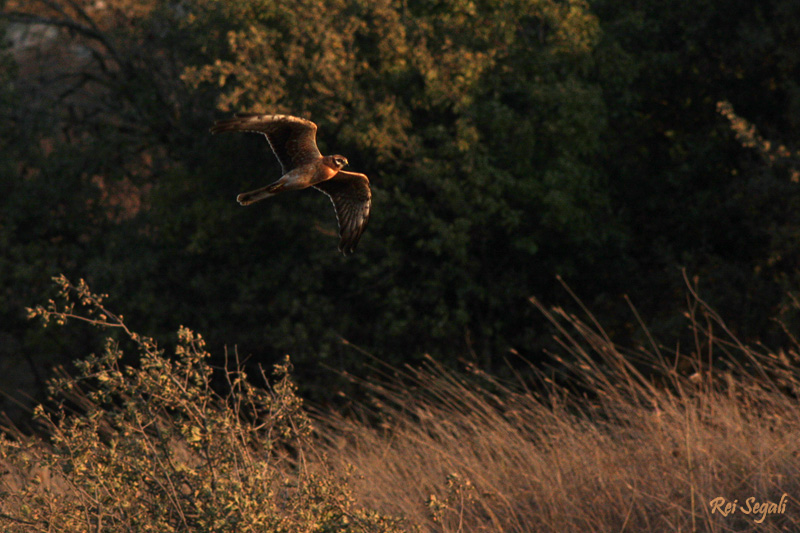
351	197
293	139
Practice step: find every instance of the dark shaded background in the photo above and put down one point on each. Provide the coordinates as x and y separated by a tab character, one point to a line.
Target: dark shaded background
507	143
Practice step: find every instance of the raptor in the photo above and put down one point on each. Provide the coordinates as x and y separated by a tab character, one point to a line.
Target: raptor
293	140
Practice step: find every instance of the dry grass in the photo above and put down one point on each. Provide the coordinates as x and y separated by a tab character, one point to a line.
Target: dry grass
637	442
605	439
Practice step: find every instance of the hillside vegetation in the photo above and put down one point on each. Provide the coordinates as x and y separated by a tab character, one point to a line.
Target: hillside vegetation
444	377
617	440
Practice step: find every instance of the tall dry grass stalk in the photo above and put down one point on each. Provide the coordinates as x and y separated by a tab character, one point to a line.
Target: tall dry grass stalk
603	439
620	440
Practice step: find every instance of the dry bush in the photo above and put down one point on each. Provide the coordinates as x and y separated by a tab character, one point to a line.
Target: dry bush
620	440
153	448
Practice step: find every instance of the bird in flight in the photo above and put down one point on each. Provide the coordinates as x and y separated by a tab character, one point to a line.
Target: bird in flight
293	140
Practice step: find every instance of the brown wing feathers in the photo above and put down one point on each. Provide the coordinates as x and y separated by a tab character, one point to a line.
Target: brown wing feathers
292	139
352	199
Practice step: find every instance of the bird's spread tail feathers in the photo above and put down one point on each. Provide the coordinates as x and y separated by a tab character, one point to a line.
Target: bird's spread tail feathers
247	198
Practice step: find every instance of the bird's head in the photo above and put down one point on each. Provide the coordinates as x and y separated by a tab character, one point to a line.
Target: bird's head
338	161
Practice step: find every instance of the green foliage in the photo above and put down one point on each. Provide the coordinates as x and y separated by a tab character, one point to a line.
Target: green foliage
155	448
477	124
507	143
691	194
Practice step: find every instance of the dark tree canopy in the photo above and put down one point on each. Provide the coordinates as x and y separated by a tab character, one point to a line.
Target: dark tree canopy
507	143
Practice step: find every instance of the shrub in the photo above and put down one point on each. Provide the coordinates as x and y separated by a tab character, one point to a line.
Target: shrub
153	447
